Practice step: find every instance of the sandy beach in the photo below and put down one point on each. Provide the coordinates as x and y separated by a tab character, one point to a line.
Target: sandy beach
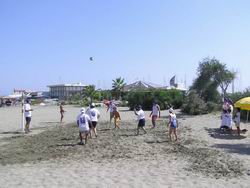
51	157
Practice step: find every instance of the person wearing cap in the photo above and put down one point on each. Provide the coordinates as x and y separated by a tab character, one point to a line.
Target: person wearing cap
28	115
83	122
173	124
94	115
141	119
155	113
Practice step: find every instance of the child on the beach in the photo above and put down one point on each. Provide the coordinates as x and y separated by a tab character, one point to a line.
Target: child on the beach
237	120
117	118
173	124
141	119
83	122
62	111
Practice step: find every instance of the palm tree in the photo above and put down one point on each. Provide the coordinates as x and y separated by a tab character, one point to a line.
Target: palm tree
89	92
118	85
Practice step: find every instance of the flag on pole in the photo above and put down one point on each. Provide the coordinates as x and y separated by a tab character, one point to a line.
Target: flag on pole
172	81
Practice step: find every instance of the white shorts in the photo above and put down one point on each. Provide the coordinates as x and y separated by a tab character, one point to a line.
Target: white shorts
83	129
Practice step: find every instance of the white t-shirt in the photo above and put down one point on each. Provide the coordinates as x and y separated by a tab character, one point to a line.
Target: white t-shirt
155	110
237	117
140	114
27	107
83	123
93	114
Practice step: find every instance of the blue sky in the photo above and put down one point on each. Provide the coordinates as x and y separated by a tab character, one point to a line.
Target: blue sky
44	42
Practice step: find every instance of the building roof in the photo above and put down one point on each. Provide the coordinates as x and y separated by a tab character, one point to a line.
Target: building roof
140	85
69	85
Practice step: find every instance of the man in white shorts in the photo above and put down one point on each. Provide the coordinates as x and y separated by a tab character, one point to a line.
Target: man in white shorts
83	122
94	115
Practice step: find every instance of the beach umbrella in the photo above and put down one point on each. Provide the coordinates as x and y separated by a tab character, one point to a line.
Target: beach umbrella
243	104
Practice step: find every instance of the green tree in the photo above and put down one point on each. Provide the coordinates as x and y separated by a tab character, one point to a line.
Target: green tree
89	92
117	86
211	75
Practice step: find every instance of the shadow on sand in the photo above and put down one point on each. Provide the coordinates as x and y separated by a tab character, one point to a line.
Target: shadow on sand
243	149
12	132
219	134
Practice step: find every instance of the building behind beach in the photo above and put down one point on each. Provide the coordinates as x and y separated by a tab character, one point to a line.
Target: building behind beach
144	86
64	91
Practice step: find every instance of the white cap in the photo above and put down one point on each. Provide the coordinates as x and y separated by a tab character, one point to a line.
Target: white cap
82	110
171	110
92	104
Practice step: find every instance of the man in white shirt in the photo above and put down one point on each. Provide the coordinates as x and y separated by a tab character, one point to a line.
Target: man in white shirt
28	115
155	113
94	115
141	119
83	122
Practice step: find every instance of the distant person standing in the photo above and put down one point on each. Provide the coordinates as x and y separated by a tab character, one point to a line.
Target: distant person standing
83	122
94	116
173	124
62	111
28	115
110	108
237	120
155	113
141	119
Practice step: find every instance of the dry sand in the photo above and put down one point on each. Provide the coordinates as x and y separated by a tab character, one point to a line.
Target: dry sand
51	157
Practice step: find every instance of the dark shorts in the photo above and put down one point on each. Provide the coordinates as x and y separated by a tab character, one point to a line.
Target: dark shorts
94	123
28	119
141	123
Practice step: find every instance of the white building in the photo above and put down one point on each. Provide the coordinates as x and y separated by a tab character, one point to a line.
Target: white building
64	91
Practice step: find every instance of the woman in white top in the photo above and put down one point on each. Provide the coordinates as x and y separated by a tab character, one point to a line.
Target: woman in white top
173	124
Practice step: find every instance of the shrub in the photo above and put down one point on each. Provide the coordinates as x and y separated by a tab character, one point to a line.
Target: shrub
165	98
194	104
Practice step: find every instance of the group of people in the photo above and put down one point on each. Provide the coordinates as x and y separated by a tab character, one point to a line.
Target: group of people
87	120
227	117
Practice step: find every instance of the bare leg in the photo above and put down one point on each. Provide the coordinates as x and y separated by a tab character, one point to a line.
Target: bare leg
61	117
170	132
86	138
175	134
80	135
95	131
138	130
238	130
144	130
